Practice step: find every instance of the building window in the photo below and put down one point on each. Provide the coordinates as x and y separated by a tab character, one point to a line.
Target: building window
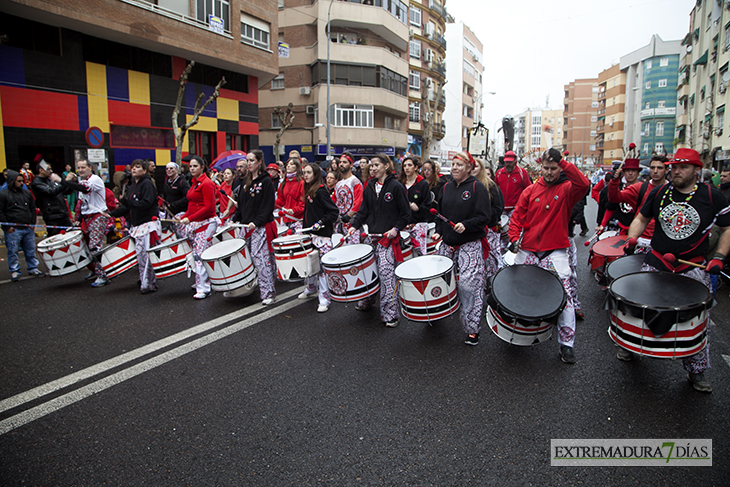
536	130
202	144
217	8
278	82
647	64
469	68
358	116
720	119
415	16
236	142
254	32
648	85
415	49
593	133
592	147
662	83
647	105
594	118
464	132
663	62
661	104
535	142
659	147
387	122
660	129
594	104
414	80
647	130
414	111
275	122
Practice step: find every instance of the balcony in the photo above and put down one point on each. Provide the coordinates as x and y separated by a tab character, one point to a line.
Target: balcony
439	130
683	91
352	15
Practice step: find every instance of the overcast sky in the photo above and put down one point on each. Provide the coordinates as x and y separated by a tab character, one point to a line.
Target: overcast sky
533	48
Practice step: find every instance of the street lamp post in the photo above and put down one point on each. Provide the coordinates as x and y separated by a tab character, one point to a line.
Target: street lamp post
329	41
583	139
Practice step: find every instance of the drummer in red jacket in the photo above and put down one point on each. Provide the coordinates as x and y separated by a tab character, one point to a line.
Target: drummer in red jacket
290	197
538	231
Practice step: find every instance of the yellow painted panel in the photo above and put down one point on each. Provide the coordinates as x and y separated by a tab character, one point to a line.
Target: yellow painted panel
3	160
162	157
96	86
186	142
227	109
205	124
139	87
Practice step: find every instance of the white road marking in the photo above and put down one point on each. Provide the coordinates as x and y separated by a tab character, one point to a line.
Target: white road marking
60	402
727	359
106	365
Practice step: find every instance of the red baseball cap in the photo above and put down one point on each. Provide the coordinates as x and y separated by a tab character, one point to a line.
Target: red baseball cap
509	156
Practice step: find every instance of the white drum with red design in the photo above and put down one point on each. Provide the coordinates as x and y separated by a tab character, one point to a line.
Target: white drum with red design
170	258
119	257
406	246
229	232
431	243
351	272
167	236
64	253
427	288
291	254
229	265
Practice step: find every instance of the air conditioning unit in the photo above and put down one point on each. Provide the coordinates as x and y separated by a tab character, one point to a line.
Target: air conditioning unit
718	132
411	34
310	109
610	124
722	88
305	90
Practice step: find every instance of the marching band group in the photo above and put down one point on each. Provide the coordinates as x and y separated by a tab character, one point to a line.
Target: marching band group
469	224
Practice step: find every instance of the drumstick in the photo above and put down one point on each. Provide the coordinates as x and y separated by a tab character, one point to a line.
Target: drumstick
278	213
590	240
229	197
439	215
671	259
303	230
169	220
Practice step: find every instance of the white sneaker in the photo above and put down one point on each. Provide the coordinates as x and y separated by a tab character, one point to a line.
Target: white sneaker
322	308
200	295
268	301
306	295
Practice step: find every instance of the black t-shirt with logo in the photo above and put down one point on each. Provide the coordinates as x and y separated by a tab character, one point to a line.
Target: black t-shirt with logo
683	223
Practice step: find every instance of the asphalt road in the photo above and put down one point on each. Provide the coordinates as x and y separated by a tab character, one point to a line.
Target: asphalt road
109	387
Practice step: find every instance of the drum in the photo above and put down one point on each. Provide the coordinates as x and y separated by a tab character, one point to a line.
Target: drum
659	314
170	258
608	234
431	243
603	252
337	238
351	272
427	288
229	265
281	230
167	236
406	246
525	304
291	254
119	257
229	232
624	265
504	225
64	253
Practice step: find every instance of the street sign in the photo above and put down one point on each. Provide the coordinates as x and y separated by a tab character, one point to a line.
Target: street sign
94	137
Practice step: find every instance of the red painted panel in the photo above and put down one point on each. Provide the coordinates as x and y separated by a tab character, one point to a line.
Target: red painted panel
39	109
248	128
123	113
178	66
220	142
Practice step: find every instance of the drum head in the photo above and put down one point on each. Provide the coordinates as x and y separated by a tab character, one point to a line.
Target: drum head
660	290
424	267
608	234
504	220
624	265
346	254
223	249
611	246
60	240
290	239
528	292
167	244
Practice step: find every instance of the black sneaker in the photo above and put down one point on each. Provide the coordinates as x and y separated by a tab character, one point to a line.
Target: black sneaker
566	354
699	382
472	339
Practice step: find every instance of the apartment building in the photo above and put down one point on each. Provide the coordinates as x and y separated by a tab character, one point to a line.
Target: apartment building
651	85
367	87
464	95
536	130
580	120
611	114
99	79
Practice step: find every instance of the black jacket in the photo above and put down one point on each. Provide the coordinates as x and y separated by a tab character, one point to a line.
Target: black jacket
175	194
496	199
420	194
256	203
49	198
466	203
320	209
384	211
16	205
140	202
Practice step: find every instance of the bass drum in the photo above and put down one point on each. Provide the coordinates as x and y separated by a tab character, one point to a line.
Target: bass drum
351	272
427	288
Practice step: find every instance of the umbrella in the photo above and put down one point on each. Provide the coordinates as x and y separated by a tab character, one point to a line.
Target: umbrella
228	159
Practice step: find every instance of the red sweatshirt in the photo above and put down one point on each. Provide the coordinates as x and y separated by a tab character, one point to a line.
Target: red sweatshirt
201	199
512	184
544	211
291	197
630	196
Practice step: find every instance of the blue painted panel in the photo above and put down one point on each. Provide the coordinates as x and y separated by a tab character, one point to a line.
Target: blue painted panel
117	84
13	71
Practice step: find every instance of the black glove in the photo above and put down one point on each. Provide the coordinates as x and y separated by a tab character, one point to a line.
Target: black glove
630	246
513	247
555	155
345	218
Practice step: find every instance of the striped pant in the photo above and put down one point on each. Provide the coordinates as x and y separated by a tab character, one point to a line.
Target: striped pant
263	261
469	260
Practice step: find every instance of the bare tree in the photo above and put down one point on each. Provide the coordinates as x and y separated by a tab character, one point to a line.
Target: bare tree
286	118
429	119
197	109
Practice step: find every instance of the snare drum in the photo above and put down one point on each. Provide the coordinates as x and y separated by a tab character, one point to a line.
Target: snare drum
624	265
281	230
525	304
431	243
64	253
229	265
659	314
170	258
291	253
337	238
604	252
167	236
229	232
119	257
406	246
427	288
351	272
